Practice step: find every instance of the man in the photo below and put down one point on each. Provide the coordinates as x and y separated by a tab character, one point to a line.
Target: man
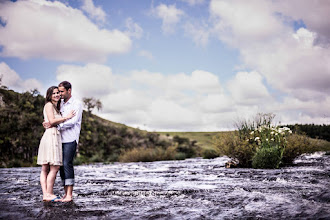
70	131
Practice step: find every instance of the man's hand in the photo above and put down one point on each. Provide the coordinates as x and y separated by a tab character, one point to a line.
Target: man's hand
46	124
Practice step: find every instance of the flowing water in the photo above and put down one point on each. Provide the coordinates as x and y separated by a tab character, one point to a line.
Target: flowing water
189	189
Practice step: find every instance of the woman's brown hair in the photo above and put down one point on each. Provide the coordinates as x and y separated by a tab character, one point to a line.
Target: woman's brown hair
49	94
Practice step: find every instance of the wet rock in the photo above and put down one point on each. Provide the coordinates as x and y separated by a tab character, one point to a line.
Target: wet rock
231	164
187	189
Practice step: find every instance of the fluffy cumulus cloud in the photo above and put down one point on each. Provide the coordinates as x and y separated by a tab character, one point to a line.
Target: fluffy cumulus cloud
155	100
248	88
170	16
315	14
293	61
88	81
93	11
63	33
13	81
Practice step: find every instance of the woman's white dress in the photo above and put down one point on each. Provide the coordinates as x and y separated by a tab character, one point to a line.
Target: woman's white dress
50	147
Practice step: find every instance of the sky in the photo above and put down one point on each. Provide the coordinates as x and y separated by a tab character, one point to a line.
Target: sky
165	65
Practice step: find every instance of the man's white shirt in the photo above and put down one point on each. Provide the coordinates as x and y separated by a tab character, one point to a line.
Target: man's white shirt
70	129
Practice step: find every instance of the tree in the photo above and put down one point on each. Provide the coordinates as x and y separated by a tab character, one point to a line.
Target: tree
91	103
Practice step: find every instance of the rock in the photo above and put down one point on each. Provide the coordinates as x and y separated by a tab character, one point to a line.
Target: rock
231	164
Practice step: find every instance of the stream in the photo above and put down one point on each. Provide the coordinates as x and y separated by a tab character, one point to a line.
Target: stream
187	189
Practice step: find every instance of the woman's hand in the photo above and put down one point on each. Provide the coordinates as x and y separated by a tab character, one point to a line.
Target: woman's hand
70	115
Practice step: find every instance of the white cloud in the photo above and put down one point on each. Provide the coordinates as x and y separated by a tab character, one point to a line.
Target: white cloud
315	14
134	30
217	103
199	33
248	88
293	62
146	54
194	102
194	2
13	81
126	100
166	114
63	33
94	12
243	23
142	98
170	16
92	80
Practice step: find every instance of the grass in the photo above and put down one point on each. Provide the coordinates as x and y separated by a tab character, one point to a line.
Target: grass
204	139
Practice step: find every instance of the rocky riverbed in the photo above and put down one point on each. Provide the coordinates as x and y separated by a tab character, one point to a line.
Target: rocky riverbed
188	189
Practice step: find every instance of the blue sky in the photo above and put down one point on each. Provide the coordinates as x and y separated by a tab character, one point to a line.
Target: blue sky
188	65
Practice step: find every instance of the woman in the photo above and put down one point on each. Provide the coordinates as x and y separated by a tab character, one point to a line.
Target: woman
50	148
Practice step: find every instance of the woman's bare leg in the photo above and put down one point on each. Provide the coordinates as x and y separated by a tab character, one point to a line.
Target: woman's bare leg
43	180
51	180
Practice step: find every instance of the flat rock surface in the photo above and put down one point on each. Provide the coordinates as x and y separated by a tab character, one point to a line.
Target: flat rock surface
188	189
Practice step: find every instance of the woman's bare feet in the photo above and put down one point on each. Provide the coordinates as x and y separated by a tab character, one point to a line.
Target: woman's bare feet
50	197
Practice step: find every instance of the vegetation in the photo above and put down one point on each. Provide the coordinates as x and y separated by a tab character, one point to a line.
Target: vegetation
312	130
260	144
91	103
21	117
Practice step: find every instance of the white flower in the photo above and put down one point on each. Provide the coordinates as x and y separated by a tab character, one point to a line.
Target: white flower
257	138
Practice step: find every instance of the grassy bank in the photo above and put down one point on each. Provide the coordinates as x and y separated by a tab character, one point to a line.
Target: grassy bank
203	139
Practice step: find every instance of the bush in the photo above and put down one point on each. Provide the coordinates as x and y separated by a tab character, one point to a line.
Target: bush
300	144
297	145
231	145
210	153
143	155
255	143
267	158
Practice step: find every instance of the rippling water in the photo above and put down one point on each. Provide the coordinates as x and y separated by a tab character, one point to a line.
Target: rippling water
188	189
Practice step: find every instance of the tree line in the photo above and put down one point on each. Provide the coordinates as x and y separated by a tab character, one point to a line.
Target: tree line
312	130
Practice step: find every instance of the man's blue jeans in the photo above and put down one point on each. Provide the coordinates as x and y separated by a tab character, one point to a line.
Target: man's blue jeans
66	171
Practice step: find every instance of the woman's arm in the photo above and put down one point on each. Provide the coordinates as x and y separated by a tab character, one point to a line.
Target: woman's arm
77	107
51	118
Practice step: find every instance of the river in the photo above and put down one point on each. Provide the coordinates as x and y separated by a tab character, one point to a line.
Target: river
187	189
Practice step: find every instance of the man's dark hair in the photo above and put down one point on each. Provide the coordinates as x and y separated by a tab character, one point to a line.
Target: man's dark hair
65	84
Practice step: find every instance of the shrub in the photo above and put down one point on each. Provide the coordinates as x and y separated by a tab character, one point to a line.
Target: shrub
180	156
297	145
300	144
142	154
255	143
210	153
267	158
231	145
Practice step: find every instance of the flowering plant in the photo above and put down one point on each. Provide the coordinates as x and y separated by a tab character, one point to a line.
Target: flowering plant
270	136
271	141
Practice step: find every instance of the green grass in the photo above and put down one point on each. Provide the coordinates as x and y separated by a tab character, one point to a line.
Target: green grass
204	139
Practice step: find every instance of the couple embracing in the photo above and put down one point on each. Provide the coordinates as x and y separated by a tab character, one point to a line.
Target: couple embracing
58	145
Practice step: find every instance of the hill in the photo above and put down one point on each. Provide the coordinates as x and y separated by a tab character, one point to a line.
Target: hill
100	140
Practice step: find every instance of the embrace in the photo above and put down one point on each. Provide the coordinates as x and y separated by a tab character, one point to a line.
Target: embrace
58	145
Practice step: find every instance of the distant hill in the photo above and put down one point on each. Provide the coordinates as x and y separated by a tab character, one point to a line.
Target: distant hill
101	140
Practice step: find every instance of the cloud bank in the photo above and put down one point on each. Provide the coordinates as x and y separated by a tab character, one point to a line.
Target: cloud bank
63	33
